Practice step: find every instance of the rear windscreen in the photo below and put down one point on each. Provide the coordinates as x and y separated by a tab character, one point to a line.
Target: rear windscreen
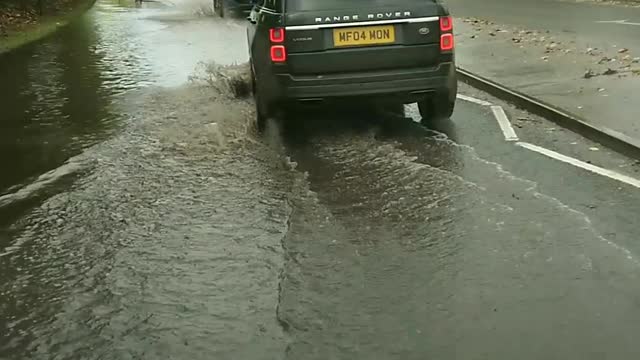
311	5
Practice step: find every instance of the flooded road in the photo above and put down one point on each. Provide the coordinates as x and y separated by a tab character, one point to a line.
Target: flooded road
141	216
58	96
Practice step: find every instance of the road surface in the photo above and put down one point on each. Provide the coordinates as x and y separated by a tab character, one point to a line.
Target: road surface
142	218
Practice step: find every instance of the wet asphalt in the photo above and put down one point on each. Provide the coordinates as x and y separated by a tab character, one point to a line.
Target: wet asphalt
143	217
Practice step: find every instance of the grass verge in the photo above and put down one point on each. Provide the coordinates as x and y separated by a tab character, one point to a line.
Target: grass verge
16	37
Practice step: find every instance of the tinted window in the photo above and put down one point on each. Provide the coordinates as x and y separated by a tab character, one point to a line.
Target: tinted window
271	4
303	5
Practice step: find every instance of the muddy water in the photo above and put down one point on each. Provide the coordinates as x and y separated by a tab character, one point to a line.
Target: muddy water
141	216
148	221
58	96
170	246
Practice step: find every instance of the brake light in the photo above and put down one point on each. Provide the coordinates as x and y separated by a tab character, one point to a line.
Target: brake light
446	24
276	35
278	53
446	42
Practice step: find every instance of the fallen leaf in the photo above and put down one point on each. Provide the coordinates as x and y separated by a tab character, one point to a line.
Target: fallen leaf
589	74
623	50
594	148
610	71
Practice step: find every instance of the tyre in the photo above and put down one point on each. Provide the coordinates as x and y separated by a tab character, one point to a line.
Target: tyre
218	7
262	108
396	109
436	108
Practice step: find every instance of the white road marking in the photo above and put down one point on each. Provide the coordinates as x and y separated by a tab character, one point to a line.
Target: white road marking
620	22
474	100
581	164
505	124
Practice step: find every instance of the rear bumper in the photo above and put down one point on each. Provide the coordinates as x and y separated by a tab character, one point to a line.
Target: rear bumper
408	84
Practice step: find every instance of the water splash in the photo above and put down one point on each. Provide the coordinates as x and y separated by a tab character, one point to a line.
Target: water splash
232	81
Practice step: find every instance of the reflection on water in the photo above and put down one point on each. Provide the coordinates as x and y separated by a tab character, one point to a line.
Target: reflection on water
57	96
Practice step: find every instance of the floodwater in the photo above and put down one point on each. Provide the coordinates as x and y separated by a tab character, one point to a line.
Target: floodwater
131	227
143	218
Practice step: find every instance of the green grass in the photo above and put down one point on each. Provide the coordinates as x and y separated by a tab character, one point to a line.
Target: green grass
45	26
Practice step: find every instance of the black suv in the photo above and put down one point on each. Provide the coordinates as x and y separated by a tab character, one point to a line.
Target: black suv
398	51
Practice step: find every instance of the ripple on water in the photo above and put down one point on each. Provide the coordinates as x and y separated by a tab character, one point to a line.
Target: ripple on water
403	253
169	247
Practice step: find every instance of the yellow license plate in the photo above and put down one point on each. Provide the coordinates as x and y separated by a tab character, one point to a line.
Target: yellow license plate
364	35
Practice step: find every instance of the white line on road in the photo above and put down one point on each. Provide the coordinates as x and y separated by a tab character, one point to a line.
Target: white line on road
620	22
505	124
581	164
474	100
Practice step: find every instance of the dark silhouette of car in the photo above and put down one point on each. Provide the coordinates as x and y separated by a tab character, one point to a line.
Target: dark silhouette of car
223	7
398	51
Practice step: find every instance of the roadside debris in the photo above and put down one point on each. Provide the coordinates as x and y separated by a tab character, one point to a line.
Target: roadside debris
527	120
603	60
552	46
610	61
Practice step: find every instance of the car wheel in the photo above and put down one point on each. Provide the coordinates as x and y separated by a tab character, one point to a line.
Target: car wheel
218	7
435	109
262	109
396	109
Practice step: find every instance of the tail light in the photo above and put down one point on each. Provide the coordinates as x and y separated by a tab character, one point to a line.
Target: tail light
446	42
446	35
278	52
276	35
446	24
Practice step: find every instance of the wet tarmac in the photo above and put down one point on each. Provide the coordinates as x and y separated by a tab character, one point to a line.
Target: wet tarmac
156	224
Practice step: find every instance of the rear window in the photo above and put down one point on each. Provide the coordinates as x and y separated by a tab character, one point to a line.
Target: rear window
311	5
